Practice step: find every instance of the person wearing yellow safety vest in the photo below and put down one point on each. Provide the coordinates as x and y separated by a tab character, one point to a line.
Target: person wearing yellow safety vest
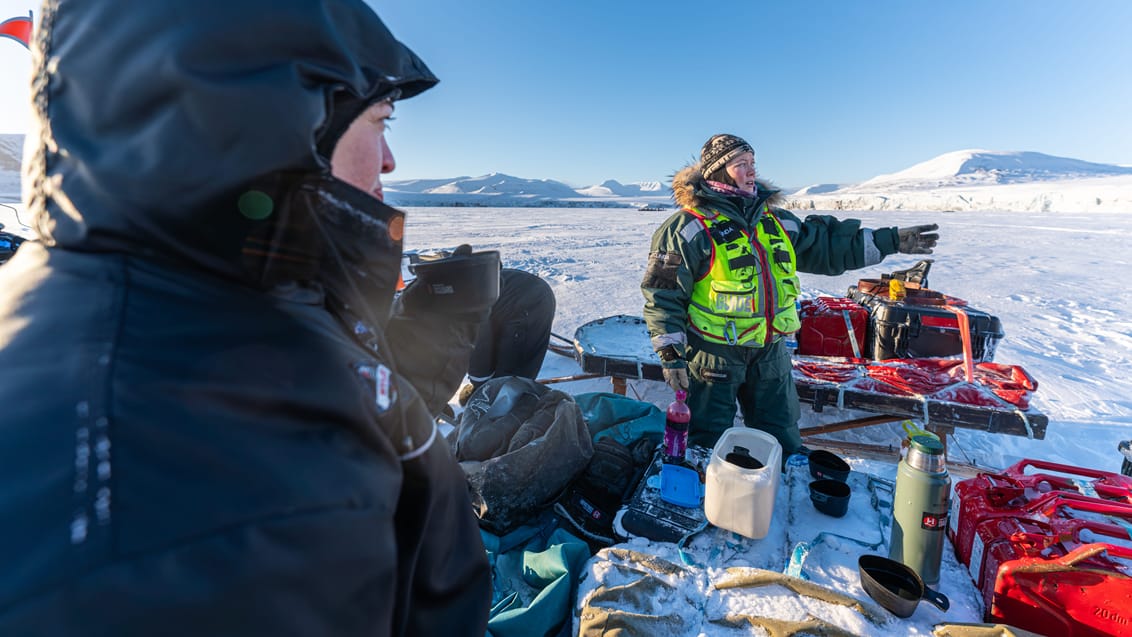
721	283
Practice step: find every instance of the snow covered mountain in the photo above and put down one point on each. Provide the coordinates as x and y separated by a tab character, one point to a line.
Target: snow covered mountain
614	188
962	180
985	167
498	189
494	184
818	189
983	180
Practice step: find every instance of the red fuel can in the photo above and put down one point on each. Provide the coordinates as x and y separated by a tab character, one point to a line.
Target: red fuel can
1082	593
1091	482
1055	505
1009	539
1009	493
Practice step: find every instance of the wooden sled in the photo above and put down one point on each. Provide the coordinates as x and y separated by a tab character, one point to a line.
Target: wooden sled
618	347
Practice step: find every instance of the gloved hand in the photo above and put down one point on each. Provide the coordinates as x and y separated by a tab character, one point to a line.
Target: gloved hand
676	377
916	239
673	366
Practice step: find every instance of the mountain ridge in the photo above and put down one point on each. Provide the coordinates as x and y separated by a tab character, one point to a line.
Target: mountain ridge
972	179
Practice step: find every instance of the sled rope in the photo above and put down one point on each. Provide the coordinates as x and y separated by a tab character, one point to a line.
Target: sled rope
1025	423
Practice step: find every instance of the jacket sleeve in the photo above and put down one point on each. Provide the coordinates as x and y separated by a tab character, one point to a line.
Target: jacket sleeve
445	580
432	350
827	245
677	256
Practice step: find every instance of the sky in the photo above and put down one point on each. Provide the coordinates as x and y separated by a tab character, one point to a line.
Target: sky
826	91
1074	338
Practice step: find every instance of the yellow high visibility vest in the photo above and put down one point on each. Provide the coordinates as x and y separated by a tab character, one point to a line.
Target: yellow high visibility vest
752	283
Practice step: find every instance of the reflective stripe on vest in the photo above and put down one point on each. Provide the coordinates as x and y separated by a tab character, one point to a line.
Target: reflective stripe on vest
749	284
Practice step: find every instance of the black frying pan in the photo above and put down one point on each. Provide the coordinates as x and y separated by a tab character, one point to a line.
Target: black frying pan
896	586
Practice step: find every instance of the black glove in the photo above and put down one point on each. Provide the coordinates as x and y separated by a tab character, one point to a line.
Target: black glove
463	282
916	239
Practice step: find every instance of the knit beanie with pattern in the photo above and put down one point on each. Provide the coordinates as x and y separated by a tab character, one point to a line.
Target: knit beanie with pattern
721	149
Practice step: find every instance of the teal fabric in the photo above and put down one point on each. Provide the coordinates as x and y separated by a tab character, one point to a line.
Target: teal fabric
535	568
622	418
535	571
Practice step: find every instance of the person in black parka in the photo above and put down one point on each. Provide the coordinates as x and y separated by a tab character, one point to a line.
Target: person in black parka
216	419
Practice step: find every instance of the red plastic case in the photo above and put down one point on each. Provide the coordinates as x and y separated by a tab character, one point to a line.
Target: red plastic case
825	327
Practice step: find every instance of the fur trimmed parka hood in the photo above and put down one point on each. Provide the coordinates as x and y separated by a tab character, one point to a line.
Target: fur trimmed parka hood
688	182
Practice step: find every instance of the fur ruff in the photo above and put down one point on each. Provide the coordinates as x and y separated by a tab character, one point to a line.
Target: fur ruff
688	179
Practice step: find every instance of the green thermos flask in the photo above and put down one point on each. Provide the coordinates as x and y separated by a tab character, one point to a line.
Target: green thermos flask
920	507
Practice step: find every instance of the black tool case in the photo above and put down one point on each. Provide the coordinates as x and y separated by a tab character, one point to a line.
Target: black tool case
919	328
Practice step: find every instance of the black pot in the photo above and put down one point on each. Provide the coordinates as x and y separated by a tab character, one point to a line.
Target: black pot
895	586
826	465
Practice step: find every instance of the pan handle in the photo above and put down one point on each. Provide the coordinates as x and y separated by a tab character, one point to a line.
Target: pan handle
937	599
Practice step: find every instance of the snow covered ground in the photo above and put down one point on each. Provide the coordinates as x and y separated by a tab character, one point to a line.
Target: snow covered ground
1056	280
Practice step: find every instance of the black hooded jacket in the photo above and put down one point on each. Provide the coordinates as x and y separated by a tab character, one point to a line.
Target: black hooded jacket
192	439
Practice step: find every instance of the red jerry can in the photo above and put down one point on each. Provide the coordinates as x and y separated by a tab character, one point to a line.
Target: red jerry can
1012	491
1090	482
1083	593
1056	505
1019	538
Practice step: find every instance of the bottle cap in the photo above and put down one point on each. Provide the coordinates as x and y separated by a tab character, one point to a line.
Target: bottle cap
927	444
681	395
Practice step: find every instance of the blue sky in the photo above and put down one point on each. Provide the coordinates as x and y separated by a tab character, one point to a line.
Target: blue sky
826	91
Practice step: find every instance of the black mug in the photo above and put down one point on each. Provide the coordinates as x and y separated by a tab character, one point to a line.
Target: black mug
831	497
826	465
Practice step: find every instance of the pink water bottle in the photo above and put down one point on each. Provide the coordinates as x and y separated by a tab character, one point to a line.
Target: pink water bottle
677	419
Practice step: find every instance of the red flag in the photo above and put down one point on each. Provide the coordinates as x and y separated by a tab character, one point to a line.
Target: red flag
19	29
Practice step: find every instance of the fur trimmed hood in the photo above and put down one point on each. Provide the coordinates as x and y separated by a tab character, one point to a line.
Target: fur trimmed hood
688	182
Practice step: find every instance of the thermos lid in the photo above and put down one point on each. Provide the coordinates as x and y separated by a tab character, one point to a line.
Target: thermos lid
927	444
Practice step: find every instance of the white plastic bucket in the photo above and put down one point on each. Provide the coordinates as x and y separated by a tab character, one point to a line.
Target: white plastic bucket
739	499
